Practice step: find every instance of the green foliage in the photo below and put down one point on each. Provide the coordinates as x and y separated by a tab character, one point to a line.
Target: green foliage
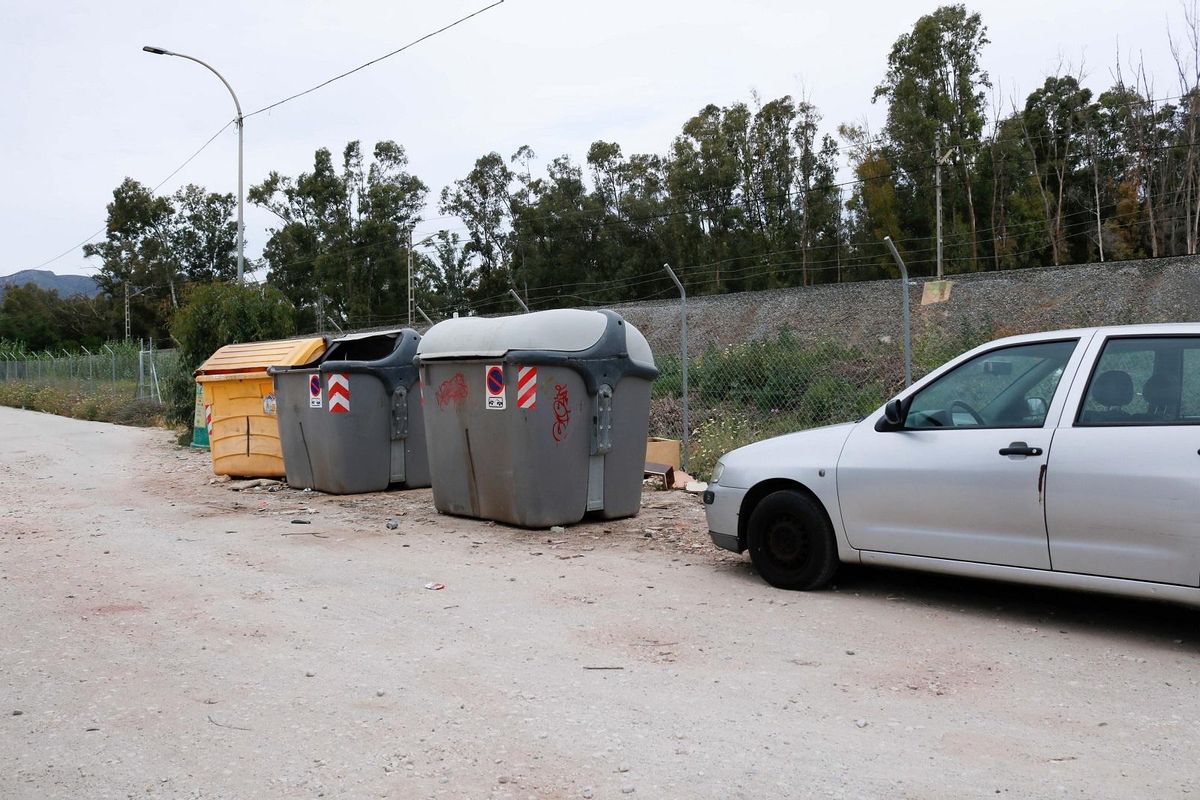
340	252
41	320
213	316
203	234
153	247
753	391
765	388
937	345
767	375
481	201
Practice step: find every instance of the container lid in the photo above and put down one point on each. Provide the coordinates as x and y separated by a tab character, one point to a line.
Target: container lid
395	369
558	331
354	337
252	357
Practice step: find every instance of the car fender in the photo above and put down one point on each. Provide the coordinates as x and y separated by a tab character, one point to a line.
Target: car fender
806	460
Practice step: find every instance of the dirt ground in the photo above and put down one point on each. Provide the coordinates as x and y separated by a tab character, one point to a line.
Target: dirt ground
164	636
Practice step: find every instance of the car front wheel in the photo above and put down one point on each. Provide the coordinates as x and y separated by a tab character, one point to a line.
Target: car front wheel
791	542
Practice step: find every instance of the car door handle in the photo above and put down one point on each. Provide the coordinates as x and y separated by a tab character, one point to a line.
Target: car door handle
1020	449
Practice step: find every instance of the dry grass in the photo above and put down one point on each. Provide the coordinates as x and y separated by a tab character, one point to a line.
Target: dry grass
100	406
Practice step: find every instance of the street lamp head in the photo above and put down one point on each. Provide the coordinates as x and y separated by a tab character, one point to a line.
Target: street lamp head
241	241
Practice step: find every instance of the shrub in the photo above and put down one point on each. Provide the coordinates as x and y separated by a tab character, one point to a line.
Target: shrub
758	389
213	316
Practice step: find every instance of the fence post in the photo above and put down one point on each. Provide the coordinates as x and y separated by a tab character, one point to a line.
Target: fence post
687	427
113	353
904	292
520	302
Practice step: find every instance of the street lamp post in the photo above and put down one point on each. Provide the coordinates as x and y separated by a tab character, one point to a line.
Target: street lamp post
158	51
425	241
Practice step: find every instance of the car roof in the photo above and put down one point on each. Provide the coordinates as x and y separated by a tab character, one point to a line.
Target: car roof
1149	329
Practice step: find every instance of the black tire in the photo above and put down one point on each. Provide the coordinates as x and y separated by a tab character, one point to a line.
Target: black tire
791	542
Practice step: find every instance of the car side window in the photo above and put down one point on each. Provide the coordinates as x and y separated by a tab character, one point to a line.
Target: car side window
1011	387
1144	381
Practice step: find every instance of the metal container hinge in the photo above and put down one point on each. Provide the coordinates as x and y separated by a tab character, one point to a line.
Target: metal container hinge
400	413
602	421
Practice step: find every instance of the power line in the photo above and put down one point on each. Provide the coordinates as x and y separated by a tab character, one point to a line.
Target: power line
157	186
175	171
189	159
375	60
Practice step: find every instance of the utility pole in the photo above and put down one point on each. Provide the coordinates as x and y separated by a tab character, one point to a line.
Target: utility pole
838	250
1096	188
410	266
937	179
939	159
127	297
411	303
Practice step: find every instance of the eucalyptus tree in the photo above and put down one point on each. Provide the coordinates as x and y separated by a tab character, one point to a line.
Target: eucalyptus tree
935	89
483	201
339	250
136	258
203	234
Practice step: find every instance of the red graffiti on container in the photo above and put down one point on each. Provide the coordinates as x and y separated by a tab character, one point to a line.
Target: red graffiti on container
562	412
452	390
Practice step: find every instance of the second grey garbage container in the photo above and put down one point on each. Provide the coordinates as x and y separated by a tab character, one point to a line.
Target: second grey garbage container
538	419
351	422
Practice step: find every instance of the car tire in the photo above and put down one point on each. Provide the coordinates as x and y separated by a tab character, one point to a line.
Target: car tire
791	542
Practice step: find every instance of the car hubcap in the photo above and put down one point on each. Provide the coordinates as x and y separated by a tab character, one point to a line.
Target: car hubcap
786	542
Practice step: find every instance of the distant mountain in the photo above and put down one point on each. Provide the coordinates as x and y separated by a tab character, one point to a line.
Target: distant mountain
65	285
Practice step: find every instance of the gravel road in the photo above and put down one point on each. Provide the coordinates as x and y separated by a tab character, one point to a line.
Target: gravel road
168	637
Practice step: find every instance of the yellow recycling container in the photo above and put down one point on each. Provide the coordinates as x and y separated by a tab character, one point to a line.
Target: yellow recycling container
239	397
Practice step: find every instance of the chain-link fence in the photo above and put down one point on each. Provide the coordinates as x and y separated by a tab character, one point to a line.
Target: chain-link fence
760	387
753	390
118	381
738	393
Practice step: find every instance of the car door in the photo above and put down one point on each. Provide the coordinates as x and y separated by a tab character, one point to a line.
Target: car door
1123	482
961	479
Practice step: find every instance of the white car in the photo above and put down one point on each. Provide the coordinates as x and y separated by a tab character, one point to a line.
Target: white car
1069	459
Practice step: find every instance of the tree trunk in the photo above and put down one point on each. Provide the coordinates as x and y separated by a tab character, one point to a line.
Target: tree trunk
995	201
971	214
1051	230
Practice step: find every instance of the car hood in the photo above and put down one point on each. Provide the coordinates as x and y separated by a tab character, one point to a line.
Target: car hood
785	456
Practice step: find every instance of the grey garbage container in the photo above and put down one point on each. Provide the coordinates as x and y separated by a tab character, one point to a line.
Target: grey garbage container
538	419
351	421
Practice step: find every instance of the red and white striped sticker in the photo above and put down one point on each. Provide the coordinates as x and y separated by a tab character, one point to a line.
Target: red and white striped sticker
527	387
338	391
208	418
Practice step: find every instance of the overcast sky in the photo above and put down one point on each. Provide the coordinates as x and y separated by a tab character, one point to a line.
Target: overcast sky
84	107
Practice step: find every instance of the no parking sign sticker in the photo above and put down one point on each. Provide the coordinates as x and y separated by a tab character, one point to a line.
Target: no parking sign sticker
493	381
314	391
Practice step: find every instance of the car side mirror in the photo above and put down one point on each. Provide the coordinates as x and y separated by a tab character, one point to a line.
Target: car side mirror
893	417
1036	407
